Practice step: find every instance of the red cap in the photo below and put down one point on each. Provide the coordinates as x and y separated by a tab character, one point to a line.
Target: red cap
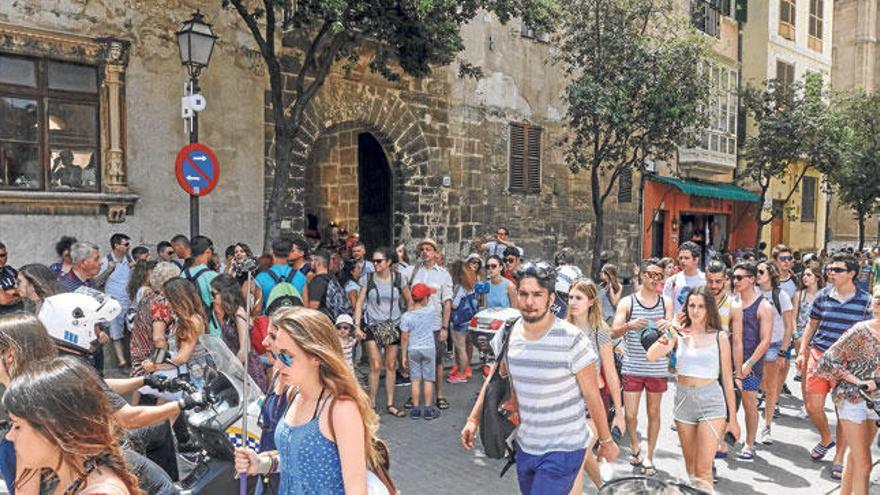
421	291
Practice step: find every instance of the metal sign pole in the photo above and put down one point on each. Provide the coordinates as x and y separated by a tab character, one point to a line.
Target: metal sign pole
194	138
242	479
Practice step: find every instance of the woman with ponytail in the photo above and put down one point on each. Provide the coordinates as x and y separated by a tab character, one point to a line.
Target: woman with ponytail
64	432
326	441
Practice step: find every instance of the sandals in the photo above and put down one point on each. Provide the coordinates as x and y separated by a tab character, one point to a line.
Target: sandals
397	413
837	472
746	454
819	451
442	403
648	470
635	460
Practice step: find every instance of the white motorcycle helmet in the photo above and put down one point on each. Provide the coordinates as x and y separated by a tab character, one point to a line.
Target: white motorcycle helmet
565	275
70	318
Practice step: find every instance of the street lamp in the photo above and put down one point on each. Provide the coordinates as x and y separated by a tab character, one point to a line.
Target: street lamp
196	42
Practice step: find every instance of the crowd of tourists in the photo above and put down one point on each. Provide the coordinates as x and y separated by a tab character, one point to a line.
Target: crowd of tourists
320	329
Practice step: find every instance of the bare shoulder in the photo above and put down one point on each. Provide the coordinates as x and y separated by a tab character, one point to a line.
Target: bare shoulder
104	482
345	407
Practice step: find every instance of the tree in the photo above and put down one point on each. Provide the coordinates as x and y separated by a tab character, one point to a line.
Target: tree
792	123
856	177
401	37
634	94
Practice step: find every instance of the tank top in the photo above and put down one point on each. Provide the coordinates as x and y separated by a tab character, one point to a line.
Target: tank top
697	362
309	461
752	333
804	307
498	297
635	362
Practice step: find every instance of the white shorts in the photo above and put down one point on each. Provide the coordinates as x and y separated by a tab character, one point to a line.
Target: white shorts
855	413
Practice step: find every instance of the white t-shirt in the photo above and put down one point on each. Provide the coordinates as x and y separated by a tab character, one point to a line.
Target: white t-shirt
551	408
679	285
778	323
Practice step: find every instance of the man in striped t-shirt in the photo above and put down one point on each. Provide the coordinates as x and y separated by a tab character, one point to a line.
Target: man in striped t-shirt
552	366
835	309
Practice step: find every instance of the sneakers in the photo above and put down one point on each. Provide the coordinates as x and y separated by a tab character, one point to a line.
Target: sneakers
401	380
430	412
765	437
415	412
454	377
802	413
777	413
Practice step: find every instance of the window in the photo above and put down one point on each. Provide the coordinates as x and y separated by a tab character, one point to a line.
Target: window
816	22
787	15
48	125
625	187
706	15
720	135
525	158
808	198
784	72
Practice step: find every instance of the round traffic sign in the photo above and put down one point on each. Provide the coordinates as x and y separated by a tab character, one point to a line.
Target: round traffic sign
197	169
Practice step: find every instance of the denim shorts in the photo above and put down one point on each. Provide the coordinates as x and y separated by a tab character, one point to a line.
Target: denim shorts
855	413
422	364
773	352
752	383
551	473
696	404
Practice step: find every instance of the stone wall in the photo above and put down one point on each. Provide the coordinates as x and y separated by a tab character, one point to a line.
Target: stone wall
232	125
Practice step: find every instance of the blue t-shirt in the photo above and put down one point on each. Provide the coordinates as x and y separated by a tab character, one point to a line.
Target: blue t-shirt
837	317
421	324
267	283
203	277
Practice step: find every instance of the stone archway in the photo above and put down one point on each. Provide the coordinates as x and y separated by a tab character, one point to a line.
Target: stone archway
326	153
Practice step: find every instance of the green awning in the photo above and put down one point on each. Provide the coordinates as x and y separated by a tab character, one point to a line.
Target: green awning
709	189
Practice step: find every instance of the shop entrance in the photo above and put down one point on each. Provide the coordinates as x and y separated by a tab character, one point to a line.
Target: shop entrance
709	231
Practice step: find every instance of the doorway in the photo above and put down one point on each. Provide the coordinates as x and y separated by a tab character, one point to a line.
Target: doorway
375	204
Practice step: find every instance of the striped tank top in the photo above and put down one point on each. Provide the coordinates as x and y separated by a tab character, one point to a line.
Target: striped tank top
635	362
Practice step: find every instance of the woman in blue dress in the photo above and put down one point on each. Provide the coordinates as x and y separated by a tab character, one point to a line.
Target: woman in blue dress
326	439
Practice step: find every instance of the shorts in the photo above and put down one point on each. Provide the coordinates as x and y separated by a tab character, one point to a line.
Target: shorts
816	384
461	327
752	383
855	413
696	404
653	384
551	473
370	337
422	365
117	325
772	353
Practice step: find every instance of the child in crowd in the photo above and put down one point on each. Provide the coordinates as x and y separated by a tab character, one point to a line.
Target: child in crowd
417	328
345	332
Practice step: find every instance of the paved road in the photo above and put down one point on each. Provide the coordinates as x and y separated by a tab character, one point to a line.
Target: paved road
427	457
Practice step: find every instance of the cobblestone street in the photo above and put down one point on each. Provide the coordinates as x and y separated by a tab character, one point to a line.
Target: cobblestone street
427	456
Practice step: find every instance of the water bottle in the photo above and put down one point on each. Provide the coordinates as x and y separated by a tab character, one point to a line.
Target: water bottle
606	471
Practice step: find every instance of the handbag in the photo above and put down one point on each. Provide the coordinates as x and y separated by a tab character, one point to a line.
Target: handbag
385	332
499	417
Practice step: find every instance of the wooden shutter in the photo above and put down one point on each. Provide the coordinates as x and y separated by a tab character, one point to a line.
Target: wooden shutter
808	199
533	159
517	158
624	187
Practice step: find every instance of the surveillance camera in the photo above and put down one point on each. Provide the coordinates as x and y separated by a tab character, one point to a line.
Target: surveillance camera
198	102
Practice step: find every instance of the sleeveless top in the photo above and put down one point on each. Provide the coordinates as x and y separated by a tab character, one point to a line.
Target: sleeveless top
804	307
724	312
752	333
498	297
635	362
697	362
309	461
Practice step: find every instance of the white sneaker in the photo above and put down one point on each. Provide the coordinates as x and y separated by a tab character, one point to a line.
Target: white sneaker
765	437
802	413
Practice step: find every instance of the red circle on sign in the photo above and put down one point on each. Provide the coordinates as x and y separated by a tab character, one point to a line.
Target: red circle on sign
208	173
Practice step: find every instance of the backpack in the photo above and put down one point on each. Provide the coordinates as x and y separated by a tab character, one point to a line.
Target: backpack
259	331
209	311
775	297
467	308
499	416
283	294
335	301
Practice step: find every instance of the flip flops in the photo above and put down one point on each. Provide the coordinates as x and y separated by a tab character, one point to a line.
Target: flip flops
819	451
837	471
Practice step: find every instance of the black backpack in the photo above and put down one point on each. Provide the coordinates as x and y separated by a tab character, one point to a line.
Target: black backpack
334	301
496	426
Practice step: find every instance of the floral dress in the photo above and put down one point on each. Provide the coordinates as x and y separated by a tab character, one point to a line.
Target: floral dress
142	332
858	352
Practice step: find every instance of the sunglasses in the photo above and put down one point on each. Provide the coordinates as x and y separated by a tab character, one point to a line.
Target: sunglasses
286	359
785	258
762	272
740	277
541	270
654	275
377	261
509	260
168	253
474	262
835	269
344	328
493	265
3	255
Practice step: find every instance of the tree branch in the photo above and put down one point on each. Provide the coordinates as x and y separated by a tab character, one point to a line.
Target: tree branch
320	75
252	25
309	59
795	185
270	27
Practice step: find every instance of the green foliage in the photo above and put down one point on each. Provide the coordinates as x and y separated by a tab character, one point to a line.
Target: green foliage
635	93
792	122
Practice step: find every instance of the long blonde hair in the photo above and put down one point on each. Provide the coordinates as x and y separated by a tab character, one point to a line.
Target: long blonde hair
316	336
594	313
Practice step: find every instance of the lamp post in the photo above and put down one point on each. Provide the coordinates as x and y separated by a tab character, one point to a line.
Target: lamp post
196	42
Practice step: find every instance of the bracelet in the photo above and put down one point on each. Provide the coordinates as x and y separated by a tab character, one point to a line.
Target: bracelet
473	420
603	442
750	363
276	460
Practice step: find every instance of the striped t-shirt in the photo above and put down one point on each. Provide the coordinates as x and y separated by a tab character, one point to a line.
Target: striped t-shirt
836	317
551	408
635	362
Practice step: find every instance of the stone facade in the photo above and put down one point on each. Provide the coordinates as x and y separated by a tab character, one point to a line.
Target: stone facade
856	57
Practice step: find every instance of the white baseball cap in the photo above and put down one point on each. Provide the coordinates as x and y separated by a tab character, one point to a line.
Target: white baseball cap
344	318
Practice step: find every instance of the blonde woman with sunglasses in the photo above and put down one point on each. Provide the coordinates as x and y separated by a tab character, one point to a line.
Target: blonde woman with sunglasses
326	440
585	312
